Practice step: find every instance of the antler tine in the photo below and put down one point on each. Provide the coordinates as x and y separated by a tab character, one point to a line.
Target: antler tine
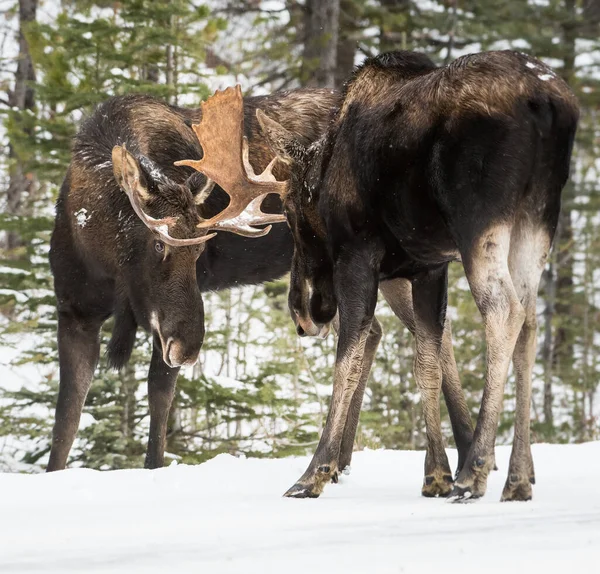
131	185
246	158
225	160
252	215
266	175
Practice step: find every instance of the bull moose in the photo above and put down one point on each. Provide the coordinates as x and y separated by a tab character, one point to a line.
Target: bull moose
126	243
420	167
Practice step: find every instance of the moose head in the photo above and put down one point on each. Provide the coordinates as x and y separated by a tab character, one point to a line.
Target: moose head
311	299
161	255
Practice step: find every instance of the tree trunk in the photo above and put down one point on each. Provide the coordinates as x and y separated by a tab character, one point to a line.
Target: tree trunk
320	43
590	22
20	99
175	444
451	7
346	46
128	400
547	346
563	344
392	34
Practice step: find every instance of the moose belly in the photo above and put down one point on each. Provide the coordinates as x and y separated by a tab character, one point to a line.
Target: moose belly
410	253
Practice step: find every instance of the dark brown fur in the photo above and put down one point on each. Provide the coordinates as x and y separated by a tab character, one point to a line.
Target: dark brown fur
105	260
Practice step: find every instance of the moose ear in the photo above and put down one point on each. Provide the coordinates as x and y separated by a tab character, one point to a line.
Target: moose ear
127	169
200	186
284	143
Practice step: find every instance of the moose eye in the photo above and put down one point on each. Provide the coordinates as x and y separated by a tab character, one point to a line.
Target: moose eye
159	246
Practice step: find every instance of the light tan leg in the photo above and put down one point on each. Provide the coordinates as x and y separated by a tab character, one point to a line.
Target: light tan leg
528	254
429	306
349	436
398	294
356	281
486	267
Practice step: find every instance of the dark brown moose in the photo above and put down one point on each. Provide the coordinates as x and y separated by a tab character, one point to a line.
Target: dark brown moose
420	167
130	240
227	165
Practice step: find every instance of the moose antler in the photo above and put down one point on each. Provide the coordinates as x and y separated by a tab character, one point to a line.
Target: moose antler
131	186
220	132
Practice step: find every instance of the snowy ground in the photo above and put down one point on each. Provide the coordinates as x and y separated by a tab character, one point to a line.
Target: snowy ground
227	515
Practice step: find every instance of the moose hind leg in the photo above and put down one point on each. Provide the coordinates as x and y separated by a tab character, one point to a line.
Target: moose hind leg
528	254
486	266
78	352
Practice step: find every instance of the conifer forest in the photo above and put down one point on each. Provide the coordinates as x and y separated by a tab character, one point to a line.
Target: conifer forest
258	389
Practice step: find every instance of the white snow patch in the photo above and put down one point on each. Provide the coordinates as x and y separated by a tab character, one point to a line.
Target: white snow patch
13	270
19	296
545	77
103	165
228	516
82	217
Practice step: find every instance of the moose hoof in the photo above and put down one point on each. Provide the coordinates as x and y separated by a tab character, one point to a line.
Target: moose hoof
336	477
517	488
463	494
312	486
437	485
301	491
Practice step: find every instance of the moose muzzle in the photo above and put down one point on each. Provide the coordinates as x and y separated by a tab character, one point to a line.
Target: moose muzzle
180	342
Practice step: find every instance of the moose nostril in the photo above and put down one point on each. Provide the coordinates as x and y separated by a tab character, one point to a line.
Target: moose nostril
300	331
176	355
324	331
168	350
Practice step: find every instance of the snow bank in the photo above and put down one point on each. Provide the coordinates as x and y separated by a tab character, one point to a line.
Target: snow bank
227	515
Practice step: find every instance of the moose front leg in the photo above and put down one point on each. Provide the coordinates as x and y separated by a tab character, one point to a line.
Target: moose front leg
349	436
356	289
78	352
456	403
161	390
398	294
429	292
